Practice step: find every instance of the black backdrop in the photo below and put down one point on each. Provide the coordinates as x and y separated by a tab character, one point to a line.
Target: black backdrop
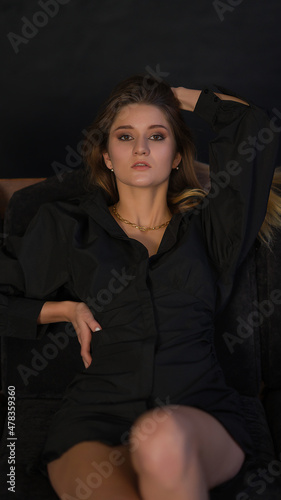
60	58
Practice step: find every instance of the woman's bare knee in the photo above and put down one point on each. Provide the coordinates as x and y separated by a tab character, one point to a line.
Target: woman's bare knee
166	443
220	456
161	448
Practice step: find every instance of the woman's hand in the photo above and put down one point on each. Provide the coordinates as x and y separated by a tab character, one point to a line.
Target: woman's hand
77	313
84	324
187	97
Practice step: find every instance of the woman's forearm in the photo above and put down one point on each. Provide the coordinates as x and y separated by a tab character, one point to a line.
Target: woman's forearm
226	97
55	312
81	317
189	97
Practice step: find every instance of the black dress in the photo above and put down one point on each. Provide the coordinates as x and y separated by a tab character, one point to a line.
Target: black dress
157	313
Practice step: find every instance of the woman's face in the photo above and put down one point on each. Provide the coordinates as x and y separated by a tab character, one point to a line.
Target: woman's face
141	146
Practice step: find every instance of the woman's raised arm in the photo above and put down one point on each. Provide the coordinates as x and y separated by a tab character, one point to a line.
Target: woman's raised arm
189	97
242	162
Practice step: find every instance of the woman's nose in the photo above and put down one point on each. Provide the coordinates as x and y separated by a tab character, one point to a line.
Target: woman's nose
141	146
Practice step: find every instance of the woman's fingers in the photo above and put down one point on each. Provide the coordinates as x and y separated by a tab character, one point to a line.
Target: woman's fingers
84	324
94	325
85	350
85	338
177	91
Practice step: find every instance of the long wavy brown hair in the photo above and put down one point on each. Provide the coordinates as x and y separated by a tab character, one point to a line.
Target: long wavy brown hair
187	186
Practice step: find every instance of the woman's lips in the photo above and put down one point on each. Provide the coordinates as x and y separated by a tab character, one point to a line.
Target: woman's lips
140	166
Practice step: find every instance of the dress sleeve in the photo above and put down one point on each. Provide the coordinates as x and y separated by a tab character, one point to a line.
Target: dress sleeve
242	162
33	269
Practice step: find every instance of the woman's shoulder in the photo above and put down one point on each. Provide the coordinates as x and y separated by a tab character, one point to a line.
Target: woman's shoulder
69	208
60	213
64	215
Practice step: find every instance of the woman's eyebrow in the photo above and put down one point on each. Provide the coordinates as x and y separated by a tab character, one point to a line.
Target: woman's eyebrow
131	128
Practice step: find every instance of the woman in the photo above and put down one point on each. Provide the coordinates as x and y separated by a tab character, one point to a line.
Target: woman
148	259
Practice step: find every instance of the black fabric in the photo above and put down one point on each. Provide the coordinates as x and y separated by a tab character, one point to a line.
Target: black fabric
237	338
95	237
25	203
272	405
42	367
269	297
33	418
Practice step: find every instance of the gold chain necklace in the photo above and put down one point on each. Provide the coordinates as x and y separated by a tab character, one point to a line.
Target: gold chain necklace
141	228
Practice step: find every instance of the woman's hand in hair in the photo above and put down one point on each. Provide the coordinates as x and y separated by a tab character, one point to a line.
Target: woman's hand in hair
187	97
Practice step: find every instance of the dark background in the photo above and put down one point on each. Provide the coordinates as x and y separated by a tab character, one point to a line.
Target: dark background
52	87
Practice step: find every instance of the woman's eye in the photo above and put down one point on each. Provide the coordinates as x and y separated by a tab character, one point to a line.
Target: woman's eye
157	137
125	137
128	137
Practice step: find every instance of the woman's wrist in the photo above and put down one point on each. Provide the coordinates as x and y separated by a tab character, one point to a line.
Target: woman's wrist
55	312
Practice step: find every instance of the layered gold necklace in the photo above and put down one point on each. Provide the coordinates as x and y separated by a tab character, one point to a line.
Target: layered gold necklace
141	228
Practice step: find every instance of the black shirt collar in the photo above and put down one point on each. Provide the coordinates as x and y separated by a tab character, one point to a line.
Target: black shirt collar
96	205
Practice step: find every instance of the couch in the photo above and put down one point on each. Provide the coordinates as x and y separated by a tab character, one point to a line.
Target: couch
248	344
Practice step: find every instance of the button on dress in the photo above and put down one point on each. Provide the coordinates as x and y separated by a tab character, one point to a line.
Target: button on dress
156	347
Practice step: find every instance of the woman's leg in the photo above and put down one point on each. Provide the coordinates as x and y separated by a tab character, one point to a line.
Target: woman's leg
181	452
175	453
92	470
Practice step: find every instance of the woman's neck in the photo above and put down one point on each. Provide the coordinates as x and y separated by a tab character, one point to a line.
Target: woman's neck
144	207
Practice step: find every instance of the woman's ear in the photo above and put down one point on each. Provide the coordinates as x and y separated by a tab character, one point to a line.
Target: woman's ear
107	160
176	160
